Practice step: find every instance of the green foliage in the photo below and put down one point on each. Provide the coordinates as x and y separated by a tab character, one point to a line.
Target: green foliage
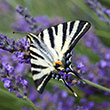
10	101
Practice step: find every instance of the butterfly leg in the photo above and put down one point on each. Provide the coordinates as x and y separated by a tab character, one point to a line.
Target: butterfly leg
59	77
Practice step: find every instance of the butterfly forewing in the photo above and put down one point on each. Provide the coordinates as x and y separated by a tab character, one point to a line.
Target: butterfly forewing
63	36
52	45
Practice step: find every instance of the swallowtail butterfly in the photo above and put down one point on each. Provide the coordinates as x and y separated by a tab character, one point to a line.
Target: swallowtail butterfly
50	51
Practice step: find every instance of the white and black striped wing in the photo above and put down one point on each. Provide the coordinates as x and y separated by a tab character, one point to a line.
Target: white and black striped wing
63	37
50	46
41	62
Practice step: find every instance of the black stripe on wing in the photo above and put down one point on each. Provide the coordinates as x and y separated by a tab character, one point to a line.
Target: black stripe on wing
34	39
50	31
83	27
56	30
38	66
64	34
35	72
38	52
42	82
29	39
35	54
79	28
42	36
71	27
32	57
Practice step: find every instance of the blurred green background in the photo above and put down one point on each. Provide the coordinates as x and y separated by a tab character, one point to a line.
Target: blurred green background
67	9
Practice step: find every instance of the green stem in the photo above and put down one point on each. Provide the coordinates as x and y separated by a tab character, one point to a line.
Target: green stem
96	85
31	103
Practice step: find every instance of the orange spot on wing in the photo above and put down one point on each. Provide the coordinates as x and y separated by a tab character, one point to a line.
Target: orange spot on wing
58	62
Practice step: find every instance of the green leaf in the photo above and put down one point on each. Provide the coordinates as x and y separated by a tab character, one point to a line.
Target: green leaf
9	101
104	36
103	33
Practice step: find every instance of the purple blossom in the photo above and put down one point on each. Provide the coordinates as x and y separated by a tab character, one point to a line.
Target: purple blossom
59	100
79	65
12	80
24	83
7	83
8	68
4	7
100	10
17	47
33	24
103	63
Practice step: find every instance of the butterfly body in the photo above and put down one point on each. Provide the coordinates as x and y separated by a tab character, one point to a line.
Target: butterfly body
51	49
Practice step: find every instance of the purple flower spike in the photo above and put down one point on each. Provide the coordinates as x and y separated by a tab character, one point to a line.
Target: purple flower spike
34	25
19	9
7	83
24	82
19	95
9	68
100	10
80	65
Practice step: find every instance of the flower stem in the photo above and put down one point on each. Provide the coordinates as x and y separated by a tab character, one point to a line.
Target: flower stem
96	85
31	103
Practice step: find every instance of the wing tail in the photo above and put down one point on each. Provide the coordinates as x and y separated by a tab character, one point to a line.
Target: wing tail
59	77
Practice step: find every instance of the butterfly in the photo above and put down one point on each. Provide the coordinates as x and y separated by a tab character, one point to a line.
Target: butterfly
50	52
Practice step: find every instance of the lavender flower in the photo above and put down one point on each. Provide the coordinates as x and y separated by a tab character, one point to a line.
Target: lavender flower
60	100
101	11
9	62
4	7
11	80
7	83
33	24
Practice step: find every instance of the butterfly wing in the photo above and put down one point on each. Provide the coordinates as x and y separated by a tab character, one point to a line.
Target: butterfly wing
41	62
63	37
52	45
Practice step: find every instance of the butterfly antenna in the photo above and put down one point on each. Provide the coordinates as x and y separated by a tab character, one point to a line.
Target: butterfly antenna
17	32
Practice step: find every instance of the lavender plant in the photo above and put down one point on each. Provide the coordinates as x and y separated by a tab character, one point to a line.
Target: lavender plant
15	64
101	11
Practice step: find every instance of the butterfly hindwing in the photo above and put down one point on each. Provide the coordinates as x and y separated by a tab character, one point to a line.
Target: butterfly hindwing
41	62
51	45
